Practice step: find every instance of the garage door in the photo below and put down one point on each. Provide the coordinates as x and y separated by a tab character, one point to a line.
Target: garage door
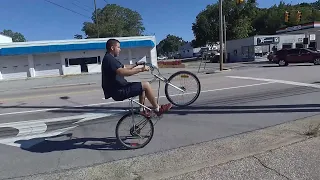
47	65
14	67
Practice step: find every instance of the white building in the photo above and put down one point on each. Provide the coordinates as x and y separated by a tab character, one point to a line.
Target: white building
21	60
188	51
249	49
5	39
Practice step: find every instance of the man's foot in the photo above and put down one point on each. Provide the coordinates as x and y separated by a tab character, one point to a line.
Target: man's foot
163	109
146	113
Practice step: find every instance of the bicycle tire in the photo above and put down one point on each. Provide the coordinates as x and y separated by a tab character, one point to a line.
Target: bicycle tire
197	93
128	115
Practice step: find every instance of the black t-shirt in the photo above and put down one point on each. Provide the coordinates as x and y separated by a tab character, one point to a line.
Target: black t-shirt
111	81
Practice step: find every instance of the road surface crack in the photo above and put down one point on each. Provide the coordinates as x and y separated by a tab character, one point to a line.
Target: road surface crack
267	167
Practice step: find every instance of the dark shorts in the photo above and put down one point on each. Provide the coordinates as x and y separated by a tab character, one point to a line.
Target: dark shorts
132	89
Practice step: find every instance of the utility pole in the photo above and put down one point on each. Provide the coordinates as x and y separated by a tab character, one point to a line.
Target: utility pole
225	38
95	9
221	34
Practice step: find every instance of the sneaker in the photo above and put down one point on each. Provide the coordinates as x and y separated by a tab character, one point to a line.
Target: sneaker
163	108
146	113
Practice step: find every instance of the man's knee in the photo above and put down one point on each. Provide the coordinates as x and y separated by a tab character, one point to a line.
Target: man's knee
146	85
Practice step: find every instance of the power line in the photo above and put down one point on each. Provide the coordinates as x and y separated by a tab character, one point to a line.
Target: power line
81	7
83	4
67	9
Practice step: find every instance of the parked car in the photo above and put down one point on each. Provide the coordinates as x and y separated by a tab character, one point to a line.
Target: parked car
162	58
284	57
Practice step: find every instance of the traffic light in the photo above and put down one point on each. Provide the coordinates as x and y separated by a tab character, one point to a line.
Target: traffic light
299	16
239	1
286	16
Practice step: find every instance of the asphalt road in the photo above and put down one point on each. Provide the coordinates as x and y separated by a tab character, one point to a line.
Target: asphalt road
230	103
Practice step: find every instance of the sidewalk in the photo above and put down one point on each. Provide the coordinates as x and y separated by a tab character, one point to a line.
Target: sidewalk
285	151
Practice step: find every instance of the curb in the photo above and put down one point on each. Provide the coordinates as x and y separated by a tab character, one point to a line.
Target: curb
218	71
64	85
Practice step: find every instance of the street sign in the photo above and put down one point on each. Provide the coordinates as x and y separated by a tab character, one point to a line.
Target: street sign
312	37
268	40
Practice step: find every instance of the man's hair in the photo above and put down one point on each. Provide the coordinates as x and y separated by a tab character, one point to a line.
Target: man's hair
111	42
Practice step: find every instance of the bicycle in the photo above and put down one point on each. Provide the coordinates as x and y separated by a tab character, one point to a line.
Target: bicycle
135	129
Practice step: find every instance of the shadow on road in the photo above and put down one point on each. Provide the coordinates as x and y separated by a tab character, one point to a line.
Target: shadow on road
193	109
246	109
50	144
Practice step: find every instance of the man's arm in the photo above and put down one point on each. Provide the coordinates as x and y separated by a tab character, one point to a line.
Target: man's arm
130	66
128	72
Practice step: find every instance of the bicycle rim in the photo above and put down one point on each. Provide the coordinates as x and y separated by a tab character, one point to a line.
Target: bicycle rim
133	134
177	94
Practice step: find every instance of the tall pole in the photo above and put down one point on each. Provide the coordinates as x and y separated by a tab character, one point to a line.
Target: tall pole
225	37
97	25
221	34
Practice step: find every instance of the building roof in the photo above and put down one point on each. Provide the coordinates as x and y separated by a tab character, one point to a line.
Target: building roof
37	47
299	27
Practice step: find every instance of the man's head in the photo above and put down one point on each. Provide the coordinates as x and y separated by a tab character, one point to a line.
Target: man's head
113	47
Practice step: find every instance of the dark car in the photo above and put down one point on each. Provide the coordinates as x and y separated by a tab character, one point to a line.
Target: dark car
297	55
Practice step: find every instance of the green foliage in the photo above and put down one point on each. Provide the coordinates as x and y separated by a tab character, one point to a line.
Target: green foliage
169	44
114	21
16	36
248	19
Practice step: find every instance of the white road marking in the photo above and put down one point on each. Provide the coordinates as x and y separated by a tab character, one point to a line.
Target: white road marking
116	102
31	140
228	88
277	81
34	131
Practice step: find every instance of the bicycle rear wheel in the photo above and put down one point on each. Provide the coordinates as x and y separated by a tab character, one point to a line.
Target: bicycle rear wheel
134	132
194	94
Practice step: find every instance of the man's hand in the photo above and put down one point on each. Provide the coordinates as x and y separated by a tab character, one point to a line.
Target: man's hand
145	68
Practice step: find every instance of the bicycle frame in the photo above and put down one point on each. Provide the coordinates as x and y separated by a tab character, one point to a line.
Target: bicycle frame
158	77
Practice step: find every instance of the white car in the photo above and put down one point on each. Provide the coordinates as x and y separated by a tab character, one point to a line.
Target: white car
162	58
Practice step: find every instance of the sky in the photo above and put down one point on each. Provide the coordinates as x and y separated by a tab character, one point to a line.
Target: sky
40	20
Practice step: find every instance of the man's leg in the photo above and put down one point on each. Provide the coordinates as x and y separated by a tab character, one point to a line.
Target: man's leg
142	99
149	93
141	89
152	99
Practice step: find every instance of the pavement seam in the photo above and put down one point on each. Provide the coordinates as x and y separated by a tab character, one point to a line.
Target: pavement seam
267	167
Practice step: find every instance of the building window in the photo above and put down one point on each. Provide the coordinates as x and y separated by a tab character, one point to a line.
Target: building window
79	61
313	44
299	45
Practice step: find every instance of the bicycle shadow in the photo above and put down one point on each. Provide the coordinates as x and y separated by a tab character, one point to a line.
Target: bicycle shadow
48	144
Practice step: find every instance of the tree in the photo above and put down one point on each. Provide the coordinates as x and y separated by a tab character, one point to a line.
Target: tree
16	36
169	44
247	19
238	21
114	21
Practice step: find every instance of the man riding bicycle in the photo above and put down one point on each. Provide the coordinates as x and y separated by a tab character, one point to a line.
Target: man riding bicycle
116	86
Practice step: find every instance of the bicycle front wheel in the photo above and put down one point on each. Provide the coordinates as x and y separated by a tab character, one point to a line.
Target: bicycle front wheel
134	130
186	81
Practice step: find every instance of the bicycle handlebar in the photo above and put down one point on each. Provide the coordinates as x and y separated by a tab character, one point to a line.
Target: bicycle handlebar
152	67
